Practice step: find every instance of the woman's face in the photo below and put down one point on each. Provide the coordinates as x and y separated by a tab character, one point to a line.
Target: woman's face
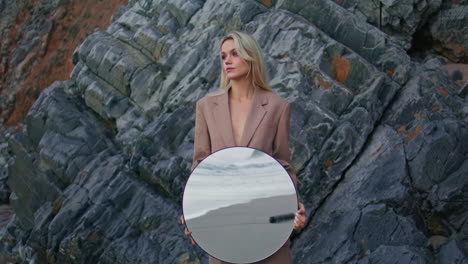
233	65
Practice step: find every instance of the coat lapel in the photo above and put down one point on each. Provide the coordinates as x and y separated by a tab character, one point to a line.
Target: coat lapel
257	112
222	117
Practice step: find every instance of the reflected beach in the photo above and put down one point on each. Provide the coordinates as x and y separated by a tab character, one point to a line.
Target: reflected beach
229	200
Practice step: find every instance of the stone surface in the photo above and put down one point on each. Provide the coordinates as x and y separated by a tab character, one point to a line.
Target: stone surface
6	159
379	141
37	41
452	252
421	26
398	18
449	31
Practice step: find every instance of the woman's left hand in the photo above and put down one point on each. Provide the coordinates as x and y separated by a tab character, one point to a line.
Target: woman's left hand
300	218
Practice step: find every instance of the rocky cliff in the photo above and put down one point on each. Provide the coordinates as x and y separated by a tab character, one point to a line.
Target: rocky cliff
379	140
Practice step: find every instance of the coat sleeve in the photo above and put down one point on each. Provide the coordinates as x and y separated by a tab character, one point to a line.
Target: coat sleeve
202	144
281	143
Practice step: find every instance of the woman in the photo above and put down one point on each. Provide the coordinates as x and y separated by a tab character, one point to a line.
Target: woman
245	113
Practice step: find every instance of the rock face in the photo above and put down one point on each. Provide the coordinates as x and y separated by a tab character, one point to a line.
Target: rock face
449	31
5	160
398	18
379	141
422	26
37	42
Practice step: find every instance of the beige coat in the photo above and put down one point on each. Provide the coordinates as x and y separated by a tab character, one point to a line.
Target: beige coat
266	129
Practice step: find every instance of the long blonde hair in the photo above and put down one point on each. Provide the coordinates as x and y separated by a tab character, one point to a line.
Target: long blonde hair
248	49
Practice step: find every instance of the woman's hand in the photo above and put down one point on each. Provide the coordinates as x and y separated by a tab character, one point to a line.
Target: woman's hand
300	218
186	231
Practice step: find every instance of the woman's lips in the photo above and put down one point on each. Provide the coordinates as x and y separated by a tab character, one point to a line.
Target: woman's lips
229	69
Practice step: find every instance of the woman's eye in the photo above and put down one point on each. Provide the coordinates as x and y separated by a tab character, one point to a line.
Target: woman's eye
223	57
234	53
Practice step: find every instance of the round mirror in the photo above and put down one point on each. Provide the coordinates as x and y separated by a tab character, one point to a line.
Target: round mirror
239	203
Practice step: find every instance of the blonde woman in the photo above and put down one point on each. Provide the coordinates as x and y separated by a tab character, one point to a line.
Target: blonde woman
245	113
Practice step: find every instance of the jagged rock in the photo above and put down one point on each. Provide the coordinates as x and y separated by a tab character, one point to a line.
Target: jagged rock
463	91
37	39
14	242
398	18
427	26
449	31
385	174
370	208
452	252
379	141
398	254
367	41
5	160
85	204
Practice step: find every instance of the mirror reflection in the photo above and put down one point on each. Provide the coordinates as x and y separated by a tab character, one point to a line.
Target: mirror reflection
239	204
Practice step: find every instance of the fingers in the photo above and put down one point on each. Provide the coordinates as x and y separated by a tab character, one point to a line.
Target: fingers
182	220
300	218
299	221
301	207
189	234
186	231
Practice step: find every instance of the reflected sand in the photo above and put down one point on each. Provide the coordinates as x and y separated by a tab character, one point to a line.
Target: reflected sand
244	228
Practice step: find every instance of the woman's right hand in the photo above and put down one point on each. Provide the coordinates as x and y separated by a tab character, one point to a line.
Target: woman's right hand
186	231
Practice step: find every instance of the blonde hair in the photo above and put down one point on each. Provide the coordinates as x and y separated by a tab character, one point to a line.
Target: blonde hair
248	49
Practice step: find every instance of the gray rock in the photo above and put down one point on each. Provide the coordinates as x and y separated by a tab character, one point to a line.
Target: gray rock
93	205
463	90
14	248
378	141
400	19
380	225
452	252
450	32
367	41
369	211
314	246
398	254
5	161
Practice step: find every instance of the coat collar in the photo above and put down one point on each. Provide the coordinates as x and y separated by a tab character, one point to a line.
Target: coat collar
222	117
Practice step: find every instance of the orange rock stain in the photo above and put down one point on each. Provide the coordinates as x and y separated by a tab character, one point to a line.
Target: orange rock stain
80	20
